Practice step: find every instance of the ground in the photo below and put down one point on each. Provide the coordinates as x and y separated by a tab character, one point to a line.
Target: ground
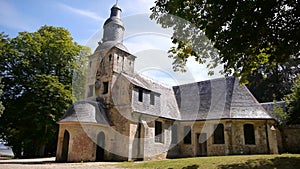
49	163
285	161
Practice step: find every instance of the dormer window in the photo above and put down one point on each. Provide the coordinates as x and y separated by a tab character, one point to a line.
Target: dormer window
140	95
152	98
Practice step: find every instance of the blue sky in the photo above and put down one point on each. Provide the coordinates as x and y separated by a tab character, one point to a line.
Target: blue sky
81	18
84	20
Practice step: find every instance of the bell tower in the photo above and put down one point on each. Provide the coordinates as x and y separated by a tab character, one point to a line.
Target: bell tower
113	26
112	59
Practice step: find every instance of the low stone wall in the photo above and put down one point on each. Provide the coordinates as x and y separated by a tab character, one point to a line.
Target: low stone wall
289	139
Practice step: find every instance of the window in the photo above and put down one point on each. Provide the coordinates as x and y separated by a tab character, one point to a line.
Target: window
219	134
187	135
152	98
141	95
91	91
90	64
105	87
174	134
110	56
249	134
158	131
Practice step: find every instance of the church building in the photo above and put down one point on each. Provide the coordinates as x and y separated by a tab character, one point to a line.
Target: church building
127	116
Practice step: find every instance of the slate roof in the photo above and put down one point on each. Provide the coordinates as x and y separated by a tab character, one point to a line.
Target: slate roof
222	98
269	106
87	112
168	104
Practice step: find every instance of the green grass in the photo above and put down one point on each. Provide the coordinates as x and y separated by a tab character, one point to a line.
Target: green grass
285	161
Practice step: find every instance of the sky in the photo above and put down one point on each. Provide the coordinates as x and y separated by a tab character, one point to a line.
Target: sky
84	20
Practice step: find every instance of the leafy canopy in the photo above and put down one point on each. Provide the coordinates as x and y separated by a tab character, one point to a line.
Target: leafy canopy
246	34
293	103
1	105
37	70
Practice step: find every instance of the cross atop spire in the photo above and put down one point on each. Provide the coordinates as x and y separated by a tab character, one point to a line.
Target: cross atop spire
117	2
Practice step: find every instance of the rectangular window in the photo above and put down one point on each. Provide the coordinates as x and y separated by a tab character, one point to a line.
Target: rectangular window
187	135
249	134
90	64
174	134
91	91
158	132
105	87
141	95
219	134
152	98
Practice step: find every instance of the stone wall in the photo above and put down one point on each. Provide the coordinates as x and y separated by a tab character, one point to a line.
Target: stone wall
233	137
82	141
289	139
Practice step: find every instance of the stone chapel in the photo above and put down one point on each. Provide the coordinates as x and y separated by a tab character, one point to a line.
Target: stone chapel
126	116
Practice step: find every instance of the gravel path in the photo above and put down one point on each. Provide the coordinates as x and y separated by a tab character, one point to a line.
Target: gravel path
49	163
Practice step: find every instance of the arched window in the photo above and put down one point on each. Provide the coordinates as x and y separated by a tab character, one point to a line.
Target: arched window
219	134
158	132
187	135
65	146
174	134
249	134
100	147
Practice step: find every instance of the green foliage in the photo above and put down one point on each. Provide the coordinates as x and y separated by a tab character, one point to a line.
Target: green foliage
293	103
37	70
274	83
245	33
1	106
280	115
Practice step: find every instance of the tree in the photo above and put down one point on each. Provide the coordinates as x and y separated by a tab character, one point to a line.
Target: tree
37	70
275	83
293	103
279	114
1	106
246	34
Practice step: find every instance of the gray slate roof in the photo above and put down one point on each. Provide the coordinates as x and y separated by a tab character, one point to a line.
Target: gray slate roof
86	112
269	106
168	104
222	98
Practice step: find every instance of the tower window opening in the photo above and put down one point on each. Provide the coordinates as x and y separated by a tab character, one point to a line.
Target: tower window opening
91	91
105	87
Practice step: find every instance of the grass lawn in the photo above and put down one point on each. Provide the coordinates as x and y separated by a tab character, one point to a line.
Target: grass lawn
285	161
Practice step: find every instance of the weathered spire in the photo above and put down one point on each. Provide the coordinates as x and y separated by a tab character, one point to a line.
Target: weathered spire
113	26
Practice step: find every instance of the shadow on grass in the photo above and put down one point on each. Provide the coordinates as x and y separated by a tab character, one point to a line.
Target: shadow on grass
278	162
189	167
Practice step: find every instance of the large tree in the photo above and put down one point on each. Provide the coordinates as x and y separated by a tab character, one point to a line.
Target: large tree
36	70
273	84
293	103
1	106
246	34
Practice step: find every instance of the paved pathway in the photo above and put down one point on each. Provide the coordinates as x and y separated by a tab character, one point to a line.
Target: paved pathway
49	163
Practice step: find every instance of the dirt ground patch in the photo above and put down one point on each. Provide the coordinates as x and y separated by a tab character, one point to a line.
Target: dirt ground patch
49	163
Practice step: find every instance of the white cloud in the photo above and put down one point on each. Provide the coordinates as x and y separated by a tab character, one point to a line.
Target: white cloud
81	12
140	6
200	71
11	18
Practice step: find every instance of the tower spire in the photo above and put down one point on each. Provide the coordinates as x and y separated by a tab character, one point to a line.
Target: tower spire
113	26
